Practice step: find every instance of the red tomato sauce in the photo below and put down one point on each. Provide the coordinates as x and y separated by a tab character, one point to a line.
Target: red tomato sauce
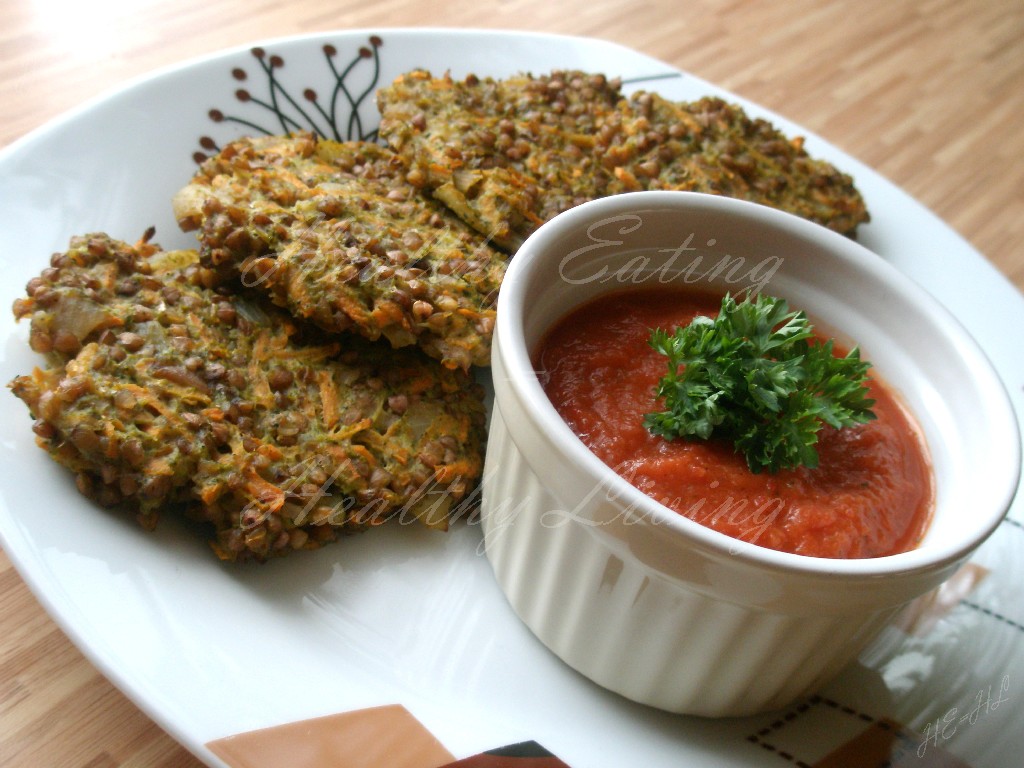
870	496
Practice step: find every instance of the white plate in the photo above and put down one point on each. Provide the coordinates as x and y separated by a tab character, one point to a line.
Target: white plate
410	617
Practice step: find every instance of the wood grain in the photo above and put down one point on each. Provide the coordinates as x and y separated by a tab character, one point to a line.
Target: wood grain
928	92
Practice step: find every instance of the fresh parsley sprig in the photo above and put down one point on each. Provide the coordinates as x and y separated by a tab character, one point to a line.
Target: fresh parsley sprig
756	375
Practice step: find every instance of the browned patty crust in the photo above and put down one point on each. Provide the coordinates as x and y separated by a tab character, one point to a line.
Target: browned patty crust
163	392
335	233
505	154
712	146
508	154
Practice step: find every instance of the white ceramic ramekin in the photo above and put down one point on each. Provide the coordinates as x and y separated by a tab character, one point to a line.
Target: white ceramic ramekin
655	606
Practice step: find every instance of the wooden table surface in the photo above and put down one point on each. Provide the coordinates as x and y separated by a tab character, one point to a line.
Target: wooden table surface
928	92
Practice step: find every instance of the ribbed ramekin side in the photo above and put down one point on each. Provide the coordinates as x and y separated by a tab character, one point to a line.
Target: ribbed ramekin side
644	636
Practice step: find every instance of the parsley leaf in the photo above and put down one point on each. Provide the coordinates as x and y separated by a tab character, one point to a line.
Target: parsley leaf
756	375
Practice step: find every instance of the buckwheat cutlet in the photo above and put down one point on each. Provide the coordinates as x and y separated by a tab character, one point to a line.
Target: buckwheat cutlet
504	154
507	155
712	146
161	392
335	233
